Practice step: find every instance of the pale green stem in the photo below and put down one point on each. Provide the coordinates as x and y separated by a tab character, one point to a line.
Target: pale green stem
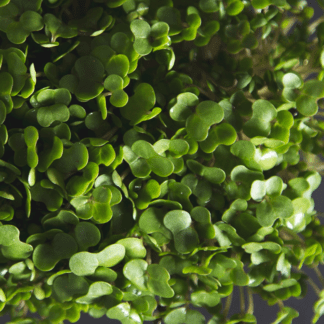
312	27
125	173
288	28
250	309
211	96
292	234
110	134
314	286
38	74
319	275
67	205
211	162
148	256
264	93
25	311
304	74
310	280
20	305
248	52
279	29
228	305
311	64
242	300
279	302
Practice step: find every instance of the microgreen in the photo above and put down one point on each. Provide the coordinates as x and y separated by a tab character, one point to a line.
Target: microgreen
156	155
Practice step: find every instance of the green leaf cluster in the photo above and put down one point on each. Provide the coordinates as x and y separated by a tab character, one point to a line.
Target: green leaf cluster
156	155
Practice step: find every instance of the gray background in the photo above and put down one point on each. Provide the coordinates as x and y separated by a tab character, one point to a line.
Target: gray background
265	314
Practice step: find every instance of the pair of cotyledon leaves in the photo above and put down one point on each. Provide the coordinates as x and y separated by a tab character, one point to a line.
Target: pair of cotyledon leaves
261	131
86	234
203	189
128	312
65	246
24	145
95	21
54	28
67	286
306	102
18	30
89	70
14	80
176	192
96	205
80	185
147	37
152	277
150	191
144	157
176	222
198	123
88	85
240	36
277	206
86	263
255	158
10	244
273	207
305	95
291	208
177	33
89	203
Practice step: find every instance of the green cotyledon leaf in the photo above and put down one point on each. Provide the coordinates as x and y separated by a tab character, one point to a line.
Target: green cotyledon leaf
86	263
207	113
96	205
140	103
152	277
10	244
159	165
46	256
278	207
147	37
185	237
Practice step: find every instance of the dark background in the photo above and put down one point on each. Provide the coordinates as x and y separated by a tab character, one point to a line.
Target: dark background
265	314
